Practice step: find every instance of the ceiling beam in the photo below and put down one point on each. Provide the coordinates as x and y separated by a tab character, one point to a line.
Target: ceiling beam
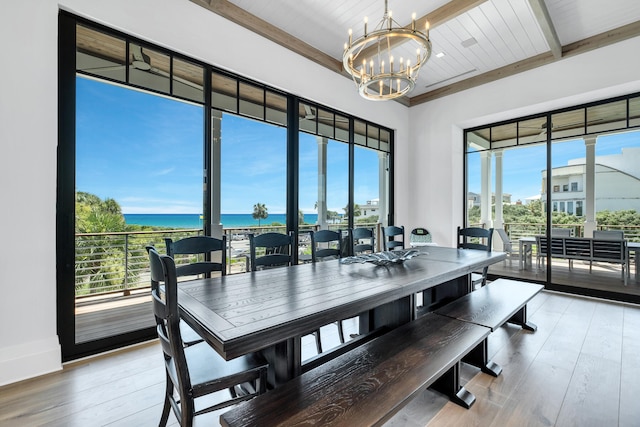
546	25
600	40
259	26
439	16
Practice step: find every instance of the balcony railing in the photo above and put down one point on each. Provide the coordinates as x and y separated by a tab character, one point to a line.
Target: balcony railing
118	263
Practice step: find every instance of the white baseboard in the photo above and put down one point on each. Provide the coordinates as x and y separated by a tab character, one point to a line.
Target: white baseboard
30	359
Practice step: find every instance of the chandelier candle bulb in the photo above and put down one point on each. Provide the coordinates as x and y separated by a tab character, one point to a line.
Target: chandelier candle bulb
413	21
366	21
350	36
391	65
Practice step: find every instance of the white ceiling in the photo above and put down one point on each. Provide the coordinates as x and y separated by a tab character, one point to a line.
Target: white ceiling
505	31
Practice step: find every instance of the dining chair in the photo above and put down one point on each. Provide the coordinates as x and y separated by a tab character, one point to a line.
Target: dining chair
420	237
362	240
195	371
203	248
480	239
326	244
197	251
389	235
189	336
269	250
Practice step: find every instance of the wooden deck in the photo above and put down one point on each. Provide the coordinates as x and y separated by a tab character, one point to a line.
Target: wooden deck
579	369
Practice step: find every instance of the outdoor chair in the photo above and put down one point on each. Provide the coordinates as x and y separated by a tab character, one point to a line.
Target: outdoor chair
476	238
201	247
269	250
389	235
195	371
507	246
362	240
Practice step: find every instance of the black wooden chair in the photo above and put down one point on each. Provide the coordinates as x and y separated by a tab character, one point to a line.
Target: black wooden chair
195	371
330	245
389	235
202	247
330	248
269	250
480	239
362	240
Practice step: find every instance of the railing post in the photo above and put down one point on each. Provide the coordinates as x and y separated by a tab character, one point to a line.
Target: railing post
126	265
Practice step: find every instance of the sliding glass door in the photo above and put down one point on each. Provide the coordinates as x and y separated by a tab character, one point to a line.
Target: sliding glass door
556	186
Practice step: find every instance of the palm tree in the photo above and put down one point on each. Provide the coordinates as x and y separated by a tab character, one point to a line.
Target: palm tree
260	212
356	210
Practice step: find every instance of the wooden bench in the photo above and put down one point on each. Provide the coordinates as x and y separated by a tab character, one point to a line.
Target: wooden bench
492	306
370	383
585	249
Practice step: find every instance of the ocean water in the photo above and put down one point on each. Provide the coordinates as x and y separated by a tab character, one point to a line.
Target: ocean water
194	220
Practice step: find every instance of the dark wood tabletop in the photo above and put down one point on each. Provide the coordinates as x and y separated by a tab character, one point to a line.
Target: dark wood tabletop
243	313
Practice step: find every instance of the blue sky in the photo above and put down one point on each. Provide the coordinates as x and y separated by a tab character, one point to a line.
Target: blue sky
523	166
145	151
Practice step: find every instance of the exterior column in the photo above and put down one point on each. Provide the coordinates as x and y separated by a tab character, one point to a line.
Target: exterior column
498	221
216	176
322	183
590	223
383	179
485	188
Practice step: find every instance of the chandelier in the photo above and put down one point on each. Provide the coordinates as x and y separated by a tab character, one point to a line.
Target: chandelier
376	61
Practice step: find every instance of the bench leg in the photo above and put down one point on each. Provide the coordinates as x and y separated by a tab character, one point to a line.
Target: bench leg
520	318
449	384
479	356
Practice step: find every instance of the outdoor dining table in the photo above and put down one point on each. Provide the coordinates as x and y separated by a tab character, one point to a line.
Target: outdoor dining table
269	311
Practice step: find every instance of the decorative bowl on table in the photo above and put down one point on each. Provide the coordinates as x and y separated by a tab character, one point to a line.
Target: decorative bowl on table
382	258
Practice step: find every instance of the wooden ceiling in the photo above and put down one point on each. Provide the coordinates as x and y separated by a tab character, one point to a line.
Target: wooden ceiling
481	40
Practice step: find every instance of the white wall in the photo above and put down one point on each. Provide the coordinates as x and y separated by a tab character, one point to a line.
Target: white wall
435	198
29	343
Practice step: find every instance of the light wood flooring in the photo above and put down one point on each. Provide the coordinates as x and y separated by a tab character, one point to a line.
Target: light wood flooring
581	368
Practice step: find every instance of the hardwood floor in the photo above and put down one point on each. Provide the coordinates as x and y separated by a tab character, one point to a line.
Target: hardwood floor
579	369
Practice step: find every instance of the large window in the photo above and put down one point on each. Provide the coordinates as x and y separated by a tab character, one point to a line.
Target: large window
155	145
582	162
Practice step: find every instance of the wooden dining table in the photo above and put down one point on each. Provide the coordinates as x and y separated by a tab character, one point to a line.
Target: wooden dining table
269	311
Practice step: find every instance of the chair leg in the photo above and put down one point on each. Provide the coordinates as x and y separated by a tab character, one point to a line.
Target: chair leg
341	331
166	409
316	333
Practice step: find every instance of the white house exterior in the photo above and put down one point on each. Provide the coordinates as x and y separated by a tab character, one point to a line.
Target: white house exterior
617	183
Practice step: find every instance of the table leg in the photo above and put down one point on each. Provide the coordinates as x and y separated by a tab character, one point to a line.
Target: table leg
285	361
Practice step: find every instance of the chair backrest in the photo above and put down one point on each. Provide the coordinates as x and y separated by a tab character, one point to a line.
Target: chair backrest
475	238
359	234
508	246
270	250
199	245
165	309
419	236
332	247
561	232
389	237
608	235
